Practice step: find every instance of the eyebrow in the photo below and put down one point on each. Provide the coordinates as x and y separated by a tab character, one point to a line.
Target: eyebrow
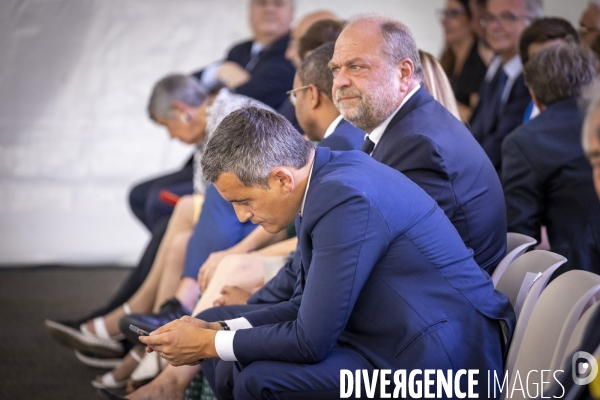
348	62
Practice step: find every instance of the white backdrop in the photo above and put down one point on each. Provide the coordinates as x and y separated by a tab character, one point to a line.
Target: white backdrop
74	80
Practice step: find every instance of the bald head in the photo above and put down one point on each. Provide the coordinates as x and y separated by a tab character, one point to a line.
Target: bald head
301	27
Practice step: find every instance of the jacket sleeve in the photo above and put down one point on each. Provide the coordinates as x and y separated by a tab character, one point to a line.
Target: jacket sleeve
348	241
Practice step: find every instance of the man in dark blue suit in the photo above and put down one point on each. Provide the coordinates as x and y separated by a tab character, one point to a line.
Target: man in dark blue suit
546	177
503	97
377	74
369	238
258	68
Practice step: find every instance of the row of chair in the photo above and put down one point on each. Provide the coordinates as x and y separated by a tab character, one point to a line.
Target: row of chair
552	319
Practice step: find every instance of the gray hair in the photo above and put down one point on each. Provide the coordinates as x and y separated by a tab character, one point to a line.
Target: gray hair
250	143
591	102
535	8
397	42
560	71
176	87
314	69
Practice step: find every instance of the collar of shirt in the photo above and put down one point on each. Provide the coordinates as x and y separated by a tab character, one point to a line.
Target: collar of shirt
332	127
307	184
377	133
256	48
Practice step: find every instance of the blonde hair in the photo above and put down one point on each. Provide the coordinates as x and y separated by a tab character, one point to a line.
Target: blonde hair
437	84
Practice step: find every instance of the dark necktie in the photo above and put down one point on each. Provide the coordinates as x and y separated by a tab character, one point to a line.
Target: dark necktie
254	57
502	78
367	146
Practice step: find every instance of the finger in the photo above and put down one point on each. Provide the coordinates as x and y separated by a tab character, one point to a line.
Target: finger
187	319
149	349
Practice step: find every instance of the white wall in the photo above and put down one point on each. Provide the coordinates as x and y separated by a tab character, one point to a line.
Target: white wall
74	79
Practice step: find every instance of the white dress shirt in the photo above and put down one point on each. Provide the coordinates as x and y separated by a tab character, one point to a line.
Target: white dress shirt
513	68
332	126
377	133
224	339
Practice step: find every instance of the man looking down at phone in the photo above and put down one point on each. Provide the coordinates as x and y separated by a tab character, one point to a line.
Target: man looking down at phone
369	237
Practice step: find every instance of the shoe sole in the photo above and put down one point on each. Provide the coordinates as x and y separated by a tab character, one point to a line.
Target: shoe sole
106	363
73	338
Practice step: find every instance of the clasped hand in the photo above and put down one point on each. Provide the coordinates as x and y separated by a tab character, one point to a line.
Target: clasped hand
185	341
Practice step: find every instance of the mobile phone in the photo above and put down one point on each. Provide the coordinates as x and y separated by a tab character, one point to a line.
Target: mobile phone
137	330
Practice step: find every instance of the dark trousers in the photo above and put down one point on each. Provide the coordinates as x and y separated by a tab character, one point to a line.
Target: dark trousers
144	197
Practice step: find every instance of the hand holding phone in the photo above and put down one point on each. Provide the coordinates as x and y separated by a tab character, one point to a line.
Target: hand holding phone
137	330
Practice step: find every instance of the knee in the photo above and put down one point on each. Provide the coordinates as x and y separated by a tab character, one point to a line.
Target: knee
184	208
253	382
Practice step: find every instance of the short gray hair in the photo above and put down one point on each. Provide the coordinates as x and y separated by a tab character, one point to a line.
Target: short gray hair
397	42
560	71
591	102
535	8
250	143
176	87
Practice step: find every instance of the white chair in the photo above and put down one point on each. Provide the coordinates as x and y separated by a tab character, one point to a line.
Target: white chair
523	283
516	245
563	300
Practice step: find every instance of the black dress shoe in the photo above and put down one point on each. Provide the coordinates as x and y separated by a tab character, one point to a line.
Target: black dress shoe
104	394
169	311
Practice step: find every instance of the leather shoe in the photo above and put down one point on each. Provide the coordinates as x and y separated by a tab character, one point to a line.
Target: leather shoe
169	311
104	394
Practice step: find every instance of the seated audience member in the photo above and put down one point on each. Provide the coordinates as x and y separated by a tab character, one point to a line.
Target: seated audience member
437	84
589	22
258	68
411	132
322	122
585	251
323	31
503	97
540	34
351	265
545	175
178	103
286	108
461	59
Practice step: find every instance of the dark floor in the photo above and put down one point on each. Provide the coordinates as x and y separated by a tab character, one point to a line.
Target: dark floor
32	365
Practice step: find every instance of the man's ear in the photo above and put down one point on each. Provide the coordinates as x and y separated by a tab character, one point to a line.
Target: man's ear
281	178
405	71
315	96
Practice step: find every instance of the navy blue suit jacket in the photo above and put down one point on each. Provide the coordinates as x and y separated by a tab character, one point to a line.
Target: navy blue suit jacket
281	288
491	123
435	150
546	177
272	76
384	273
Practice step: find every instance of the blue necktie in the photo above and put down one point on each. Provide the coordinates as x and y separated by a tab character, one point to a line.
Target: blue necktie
502	78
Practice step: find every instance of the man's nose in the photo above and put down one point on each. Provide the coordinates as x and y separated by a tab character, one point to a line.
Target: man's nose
242	213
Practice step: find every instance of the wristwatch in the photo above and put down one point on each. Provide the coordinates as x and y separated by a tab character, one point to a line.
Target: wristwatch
224	325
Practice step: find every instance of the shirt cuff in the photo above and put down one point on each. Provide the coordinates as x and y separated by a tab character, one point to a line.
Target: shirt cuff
224	345
238	323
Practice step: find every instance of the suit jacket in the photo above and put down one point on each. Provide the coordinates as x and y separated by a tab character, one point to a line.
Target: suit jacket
490	123
383	272
272	75
435	150
281	288
546	177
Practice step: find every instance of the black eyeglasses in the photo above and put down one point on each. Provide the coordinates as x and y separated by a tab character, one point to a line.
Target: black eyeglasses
505	18
449	13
